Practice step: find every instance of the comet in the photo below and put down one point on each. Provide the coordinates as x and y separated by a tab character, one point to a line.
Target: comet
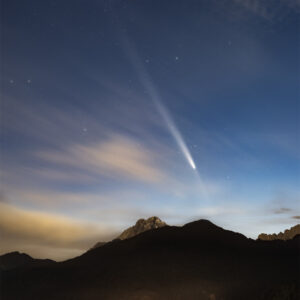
152	91
175	133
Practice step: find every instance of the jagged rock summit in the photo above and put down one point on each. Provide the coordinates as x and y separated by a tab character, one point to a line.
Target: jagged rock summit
140	226
288	234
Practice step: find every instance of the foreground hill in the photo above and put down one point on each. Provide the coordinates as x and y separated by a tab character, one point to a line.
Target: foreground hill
197	261
286	235
16	259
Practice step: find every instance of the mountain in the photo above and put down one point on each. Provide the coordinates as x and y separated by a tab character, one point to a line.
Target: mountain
140	226
16	259
286	235
196	261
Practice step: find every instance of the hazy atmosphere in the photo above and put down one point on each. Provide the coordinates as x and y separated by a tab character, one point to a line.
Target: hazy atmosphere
116	110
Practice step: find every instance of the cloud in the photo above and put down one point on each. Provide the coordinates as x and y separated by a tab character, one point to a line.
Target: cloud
67	176
282	210
255	6
285	205
44	125
117	157
21	228
212	211
269	9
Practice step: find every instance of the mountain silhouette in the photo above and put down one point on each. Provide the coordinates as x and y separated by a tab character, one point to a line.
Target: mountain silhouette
16	259
286	235
196	261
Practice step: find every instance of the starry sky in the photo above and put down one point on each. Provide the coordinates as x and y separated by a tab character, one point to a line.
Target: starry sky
107	104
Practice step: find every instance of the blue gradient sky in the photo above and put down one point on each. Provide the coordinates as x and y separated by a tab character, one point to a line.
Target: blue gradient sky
84	150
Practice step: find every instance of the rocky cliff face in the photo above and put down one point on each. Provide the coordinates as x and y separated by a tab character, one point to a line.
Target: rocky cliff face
140	226
286	235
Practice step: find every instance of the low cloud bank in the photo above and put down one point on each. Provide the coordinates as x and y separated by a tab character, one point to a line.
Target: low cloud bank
47	235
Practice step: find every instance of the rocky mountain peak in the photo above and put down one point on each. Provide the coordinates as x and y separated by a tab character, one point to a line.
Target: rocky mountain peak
286	235
142	225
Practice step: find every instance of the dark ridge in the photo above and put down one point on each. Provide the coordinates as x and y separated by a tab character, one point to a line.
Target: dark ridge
16	259
197	261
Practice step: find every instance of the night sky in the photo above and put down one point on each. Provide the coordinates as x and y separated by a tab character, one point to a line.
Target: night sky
107	107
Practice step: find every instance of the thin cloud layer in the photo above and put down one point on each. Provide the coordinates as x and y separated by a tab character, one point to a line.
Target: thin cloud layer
118	157
270	9
282	210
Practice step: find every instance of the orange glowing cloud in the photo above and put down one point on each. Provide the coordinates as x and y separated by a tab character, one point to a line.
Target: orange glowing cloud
32	230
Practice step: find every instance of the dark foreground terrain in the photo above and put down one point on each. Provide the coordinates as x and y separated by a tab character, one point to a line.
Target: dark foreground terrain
16	260
196	261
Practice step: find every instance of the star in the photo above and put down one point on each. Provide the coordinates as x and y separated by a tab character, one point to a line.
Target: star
11	81
176	57
28	80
